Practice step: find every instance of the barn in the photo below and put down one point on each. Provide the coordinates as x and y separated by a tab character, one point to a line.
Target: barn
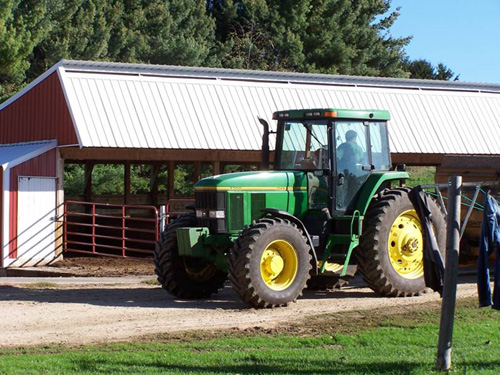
91	113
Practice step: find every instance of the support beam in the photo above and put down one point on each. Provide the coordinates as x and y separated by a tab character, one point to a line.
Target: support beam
216	167
171	169
417	159
126	194
197	171
89	166
121	154
155	171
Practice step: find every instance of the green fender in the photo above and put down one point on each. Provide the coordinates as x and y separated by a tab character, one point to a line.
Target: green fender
372	185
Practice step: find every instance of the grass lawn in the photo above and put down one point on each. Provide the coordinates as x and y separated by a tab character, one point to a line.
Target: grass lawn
421	175
400	341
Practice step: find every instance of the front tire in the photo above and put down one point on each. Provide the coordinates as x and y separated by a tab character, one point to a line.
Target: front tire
390	256
270	263
185	277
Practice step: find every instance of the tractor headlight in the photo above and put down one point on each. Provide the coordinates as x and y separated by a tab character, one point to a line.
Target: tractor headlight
201	214
216	214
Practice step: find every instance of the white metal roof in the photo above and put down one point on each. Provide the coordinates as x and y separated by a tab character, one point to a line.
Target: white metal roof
15	154
152	106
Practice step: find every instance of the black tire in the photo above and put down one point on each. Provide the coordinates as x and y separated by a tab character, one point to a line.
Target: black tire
374	259
185	277
245	269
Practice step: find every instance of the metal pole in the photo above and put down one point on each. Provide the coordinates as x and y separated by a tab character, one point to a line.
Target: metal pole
163	215
450	276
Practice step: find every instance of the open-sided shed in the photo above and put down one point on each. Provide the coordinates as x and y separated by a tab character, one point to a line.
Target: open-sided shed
100	112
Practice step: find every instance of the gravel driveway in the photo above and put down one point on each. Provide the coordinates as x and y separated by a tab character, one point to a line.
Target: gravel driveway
78	311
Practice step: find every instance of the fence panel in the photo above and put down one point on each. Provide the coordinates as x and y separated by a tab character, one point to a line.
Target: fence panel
110	229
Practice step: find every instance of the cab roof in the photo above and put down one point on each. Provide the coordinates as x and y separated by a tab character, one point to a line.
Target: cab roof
353	114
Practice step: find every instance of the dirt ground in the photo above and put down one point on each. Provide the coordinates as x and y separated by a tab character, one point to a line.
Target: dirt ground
126	306
105	267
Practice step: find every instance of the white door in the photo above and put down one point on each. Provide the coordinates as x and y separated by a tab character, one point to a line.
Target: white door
36	214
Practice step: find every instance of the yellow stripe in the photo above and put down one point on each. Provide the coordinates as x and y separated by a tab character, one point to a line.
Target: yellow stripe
244	188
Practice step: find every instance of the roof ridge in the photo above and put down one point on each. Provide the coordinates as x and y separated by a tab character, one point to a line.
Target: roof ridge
276	76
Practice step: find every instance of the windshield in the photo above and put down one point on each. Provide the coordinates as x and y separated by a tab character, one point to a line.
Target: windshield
304	145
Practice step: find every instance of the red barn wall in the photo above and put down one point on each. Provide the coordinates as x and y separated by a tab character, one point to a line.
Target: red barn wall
1	215
40	166
40	114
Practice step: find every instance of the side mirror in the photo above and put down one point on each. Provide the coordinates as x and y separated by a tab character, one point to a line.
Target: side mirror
370	167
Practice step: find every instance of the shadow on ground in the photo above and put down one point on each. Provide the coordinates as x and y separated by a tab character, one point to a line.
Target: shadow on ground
156	297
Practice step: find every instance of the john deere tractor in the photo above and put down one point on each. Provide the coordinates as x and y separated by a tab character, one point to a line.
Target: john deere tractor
331	205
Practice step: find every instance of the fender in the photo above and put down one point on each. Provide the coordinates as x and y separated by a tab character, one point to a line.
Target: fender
372	185
286	215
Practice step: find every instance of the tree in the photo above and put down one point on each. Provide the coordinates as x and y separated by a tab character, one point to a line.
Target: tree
423	69
352	37
348	37
162	32
78	29
259	34
22	26
326	36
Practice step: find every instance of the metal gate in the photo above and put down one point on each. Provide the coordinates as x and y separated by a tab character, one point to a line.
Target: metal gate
110	229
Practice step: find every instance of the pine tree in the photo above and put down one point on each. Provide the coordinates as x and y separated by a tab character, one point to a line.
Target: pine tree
423	69
78	29
327	36
352	37
22	25
163	32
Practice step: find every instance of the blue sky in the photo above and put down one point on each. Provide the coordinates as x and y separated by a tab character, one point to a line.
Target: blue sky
462	34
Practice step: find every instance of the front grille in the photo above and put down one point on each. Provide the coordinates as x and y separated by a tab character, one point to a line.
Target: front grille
212	200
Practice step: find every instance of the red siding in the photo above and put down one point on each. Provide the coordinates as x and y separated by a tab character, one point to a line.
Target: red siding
40	114
43	165
1	216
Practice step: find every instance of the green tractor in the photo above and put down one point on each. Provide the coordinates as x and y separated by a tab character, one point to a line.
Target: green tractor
331	205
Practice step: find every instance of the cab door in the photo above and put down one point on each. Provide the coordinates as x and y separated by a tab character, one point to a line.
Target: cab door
352	161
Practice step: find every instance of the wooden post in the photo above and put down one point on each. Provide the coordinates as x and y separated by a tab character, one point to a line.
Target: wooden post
89	166
155	170
450	275
216	168
196	171
126	195
171	169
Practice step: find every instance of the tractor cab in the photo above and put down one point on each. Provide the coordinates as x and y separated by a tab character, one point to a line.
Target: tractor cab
336	149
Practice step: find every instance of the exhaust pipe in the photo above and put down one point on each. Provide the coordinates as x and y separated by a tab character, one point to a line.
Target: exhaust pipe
264	165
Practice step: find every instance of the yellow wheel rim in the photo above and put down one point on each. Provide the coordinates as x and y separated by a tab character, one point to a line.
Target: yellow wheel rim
279	265
405	245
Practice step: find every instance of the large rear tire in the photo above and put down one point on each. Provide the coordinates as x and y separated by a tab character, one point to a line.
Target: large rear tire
270	263
390	256
185	277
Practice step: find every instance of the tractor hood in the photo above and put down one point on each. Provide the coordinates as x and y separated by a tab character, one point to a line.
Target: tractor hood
254	181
